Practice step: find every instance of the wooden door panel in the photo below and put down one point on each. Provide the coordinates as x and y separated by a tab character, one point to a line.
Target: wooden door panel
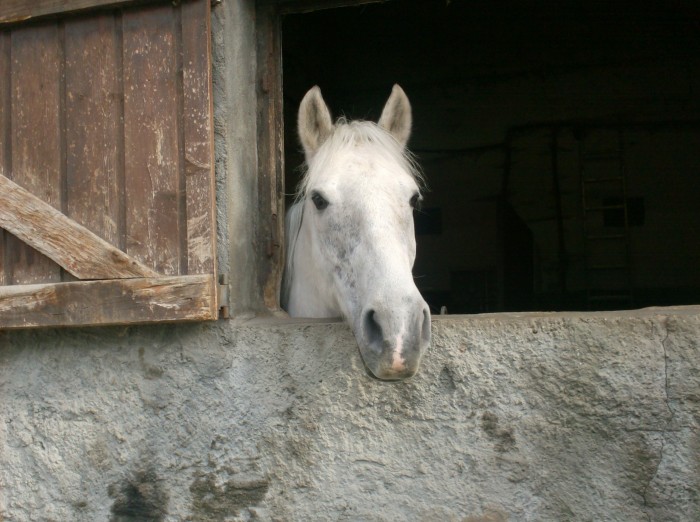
151	131
36	95
107	117
199	153
93	109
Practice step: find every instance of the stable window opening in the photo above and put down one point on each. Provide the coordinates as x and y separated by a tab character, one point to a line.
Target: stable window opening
561	143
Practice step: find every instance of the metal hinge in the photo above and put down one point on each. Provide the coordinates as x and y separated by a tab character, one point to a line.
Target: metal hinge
222	294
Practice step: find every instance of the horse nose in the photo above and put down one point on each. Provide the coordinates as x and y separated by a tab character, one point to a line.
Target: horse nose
393	339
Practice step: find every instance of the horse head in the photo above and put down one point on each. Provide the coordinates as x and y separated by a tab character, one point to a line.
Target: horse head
351	241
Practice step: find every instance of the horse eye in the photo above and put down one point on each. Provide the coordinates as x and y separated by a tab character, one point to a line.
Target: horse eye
319	201
416	200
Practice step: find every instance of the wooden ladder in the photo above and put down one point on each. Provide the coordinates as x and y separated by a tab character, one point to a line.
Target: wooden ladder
606	227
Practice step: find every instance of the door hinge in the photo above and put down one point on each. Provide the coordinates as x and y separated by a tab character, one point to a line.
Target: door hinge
223	295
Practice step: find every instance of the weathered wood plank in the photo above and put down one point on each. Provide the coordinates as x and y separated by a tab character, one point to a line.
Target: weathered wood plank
36	140
5	129
71	245
93	126
198	130
271	158
151	138
178	298
20	10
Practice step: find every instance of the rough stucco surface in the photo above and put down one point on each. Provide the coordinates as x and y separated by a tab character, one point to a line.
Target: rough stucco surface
534	417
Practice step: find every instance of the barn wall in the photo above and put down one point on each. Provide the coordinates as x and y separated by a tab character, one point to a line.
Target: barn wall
538	417
512	417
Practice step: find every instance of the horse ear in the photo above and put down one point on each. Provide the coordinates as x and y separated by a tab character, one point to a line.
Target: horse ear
314	122
396	116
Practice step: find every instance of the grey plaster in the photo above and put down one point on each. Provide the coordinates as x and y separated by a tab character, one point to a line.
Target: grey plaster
512	417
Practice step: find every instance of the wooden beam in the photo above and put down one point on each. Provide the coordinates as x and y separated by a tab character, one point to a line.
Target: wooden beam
270	143
68	243
126	301
307	6
21	10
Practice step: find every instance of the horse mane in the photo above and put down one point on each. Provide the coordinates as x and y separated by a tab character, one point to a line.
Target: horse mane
292	227
358	132
345	134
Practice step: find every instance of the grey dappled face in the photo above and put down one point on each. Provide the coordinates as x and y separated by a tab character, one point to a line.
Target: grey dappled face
363	231
351	242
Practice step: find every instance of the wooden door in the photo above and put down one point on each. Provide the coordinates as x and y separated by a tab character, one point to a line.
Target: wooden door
106	163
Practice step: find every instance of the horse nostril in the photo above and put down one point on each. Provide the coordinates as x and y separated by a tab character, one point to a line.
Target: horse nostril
373	330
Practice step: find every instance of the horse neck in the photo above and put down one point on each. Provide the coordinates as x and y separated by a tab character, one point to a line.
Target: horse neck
305	290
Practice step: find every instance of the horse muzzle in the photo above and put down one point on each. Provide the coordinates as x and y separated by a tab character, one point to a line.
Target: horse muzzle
393	338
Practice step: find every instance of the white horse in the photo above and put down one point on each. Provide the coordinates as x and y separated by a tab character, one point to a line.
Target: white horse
350	238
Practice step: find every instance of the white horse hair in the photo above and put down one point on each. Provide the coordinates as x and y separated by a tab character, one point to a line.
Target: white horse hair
350	238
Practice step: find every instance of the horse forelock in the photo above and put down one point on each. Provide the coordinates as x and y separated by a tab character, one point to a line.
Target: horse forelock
348	134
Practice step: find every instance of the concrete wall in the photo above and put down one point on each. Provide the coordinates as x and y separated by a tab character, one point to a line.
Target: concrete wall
534	417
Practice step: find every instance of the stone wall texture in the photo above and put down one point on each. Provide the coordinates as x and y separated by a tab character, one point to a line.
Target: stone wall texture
512	417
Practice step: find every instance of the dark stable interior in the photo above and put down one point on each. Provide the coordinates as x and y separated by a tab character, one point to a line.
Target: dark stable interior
560	140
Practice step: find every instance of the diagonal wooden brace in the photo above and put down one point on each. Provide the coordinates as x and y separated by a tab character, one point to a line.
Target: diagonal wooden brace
66	242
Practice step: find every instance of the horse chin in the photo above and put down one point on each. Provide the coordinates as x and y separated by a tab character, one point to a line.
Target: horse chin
386	370
390	376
